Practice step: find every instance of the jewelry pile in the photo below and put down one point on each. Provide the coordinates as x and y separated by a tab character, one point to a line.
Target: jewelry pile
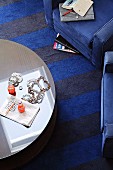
15	79
36	91
36	95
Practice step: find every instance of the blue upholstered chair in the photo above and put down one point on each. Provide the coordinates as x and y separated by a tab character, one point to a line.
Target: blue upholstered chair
92	38
107	106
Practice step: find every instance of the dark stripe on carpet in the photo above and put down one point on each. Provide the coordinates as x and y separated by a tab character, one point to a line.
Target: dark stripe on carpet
22	26
46	52
49	55
69	156
78	106
75	130
98	164
7	2
77	85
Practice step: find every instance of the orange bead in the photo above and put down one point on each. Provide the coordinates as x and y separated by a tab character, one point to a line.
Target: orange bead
21	107
11	89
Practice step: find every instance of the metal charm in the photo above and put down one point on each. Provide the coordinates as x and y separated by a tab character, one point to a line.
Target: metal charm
36	95
20	87
15	79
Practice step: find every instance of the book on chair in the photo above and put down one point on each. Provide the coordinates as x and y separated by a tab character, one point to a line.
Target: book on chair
73	16
79	6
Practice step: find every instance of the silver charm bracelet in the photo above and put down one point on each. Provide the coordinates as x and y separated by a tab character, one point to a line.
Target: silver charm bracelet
36	96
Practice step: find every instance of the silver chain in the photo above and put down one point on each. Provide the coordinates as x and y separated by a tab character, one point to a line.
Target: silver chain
35	96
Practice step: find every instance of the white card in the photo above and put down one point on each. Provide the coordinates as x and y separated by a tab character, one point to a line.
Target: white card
82	6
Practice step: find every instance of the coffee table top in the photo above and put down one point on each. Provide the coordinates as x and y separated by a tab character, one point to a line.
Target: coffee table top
18	58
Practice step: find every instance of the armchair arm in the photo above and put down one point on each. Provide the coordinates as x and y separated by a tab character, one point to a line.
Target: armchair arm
49	5
102	42
108	62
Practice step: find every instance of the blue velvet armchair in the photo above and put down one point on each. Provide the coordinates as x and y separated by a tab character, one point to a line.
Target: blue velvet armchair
92	38
107	106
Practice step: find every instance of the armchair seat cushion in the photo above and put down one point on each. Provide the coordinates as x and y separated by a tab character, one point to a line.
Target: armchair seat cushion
75	28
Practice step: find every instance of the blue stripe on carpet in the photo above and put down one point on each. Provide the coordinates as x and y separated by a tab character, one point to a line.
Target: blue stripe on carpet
76	107
69	67
20	9
70	156
37	39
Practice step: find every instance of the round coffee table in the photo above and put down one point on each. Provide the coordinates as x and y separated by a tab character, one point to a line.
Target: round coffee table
18	58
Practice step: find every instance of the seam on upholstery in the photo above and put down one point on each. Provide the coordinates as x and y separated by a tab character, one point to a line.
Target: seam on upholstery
100	30
101	38
103	26
102	47
103	42
108	63
103	104
94	45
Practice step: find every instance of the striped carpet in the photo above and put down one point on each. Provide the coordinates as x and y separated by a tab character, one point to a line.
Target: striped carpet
76	141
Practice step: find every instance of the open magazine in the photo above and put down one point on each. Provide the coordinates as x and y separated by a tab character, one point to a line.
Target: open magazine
63	45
